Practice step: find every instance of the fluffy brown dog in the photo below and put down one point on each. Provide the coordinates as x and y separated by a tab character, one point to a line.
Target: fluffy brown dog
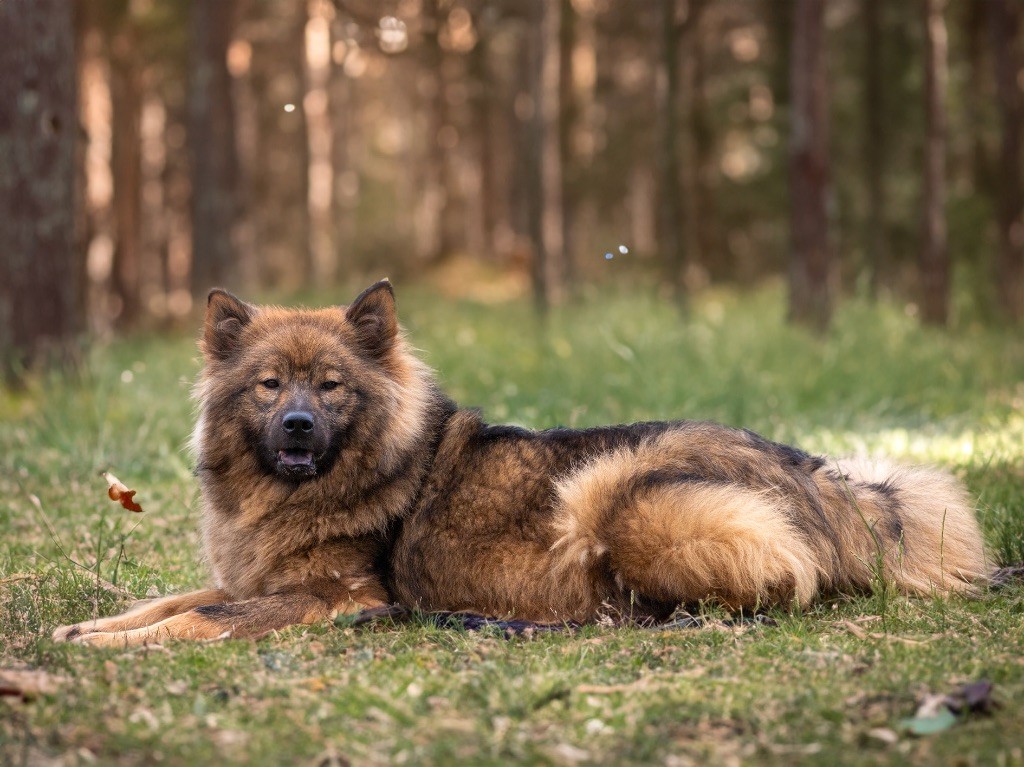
336	476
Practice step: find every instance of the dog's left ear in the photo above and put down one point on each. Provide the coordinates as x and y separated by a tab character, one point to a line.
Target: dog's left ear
373	316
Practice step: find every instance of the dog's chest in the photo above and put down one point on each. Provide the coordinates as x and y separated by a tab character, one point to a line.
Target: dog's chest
255	548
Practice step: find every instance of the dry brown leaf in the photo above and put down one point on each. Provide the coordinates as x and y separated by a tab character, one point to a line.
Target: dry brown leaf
28	683
118	491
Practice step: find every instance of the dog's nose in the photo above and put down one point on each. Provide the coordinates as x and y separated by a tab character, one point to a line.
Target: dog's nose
298	421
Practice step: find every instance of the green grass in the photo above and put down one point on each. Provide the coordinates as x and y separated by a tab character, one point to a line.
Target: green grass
810	690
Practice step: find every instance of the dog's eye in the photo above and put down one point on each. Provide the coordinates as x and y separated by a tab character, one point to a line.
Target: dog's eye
271	383
329	385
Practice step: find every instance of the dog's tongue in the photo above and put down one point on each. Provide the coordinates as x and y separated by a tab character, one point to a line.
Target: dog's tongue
295	457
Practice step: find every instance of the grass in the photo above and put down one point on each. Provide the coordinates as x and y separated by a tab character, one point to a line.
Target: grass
827	686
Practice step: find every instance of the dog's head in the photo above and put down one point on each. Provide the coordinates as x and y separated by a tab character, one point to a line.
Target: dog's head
294	387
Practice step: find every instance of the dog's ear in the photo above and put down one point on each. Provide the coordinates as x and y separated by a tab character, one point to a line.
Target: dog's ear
226	315
373	316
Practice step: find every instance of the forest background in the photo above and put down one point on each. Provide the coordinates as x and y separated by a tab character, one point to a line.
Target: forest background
150	150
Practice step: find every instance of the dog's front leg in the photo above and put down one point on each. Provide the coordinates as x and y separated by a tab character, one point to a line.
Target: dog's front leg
145	614
251	618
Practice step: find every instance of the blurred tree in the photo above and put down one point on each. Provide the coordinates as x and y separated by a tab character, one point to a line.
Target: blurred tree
278	161
211	137
543	161
670	201
934	251
875	145
569	113
40	294
1004	18
811	268
122	34
483	85
702	170
439	188
976	20
343	110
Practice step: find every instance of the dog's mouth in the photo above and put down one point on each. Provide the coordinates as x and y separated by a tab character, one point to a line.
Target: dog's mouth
295	461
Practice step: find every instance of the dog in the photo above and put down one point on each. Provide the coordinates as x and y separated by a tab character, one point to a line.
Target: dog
336	476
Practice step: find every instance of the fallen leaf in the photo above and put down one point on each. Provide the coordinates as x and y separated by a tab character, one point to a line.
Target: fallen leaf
28	683
118	491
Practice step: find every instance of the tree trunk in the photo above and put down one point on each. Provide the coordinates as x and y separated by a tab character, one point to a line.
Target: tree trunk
811	267
977	21
874	145
277	151
934	257
439	193
702	208
343	106
567	118
544	171
126	167
211	135
40	297
1004	16
483	118
670	202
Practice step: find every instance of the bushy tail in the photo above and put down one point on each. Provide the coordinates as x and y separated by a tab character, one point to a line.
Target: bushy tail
753	532
679	540
917	522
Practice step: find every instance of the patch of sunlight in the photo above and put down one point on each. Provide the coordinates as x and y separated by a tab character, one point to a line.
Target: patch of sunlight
934	444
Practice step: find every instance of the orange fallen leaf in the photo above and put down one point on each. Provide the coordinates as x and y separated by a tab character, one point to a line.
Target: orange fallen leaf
118	491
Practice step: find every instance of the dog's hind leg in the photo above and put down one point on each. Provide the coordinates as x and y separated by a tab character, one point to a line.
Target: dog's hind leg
144	614
677	539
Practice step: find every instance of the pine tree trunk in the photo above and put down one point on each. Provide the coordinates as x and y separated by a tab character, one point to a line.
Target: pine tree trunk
670	203
934	257
343	108
483	124
567	118
703	210
1004	16
440	191
543	161
126	167
874	145
811	268
40	294
277	156
211	135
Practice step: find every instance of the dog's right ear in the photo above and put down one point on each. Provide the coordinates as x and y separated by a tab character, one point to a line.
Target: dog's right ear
226	315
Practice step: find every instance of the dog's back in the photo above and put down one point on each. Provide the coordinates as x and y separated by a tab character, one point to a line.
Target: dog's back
553	525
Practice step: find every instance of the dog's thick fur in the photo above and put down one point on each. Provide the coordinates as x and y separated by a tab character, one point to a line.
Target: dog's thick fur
336	476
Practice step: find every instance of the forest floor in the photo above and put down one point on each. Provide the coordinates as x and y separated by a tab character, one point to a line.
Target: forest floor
839	684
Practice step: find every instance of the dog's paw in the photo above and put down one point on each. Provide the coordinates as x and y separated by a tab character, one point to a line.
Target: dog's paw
68	633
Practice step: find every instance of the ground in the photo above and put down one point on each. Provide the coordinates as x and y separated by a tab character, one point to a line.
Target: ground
834	685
